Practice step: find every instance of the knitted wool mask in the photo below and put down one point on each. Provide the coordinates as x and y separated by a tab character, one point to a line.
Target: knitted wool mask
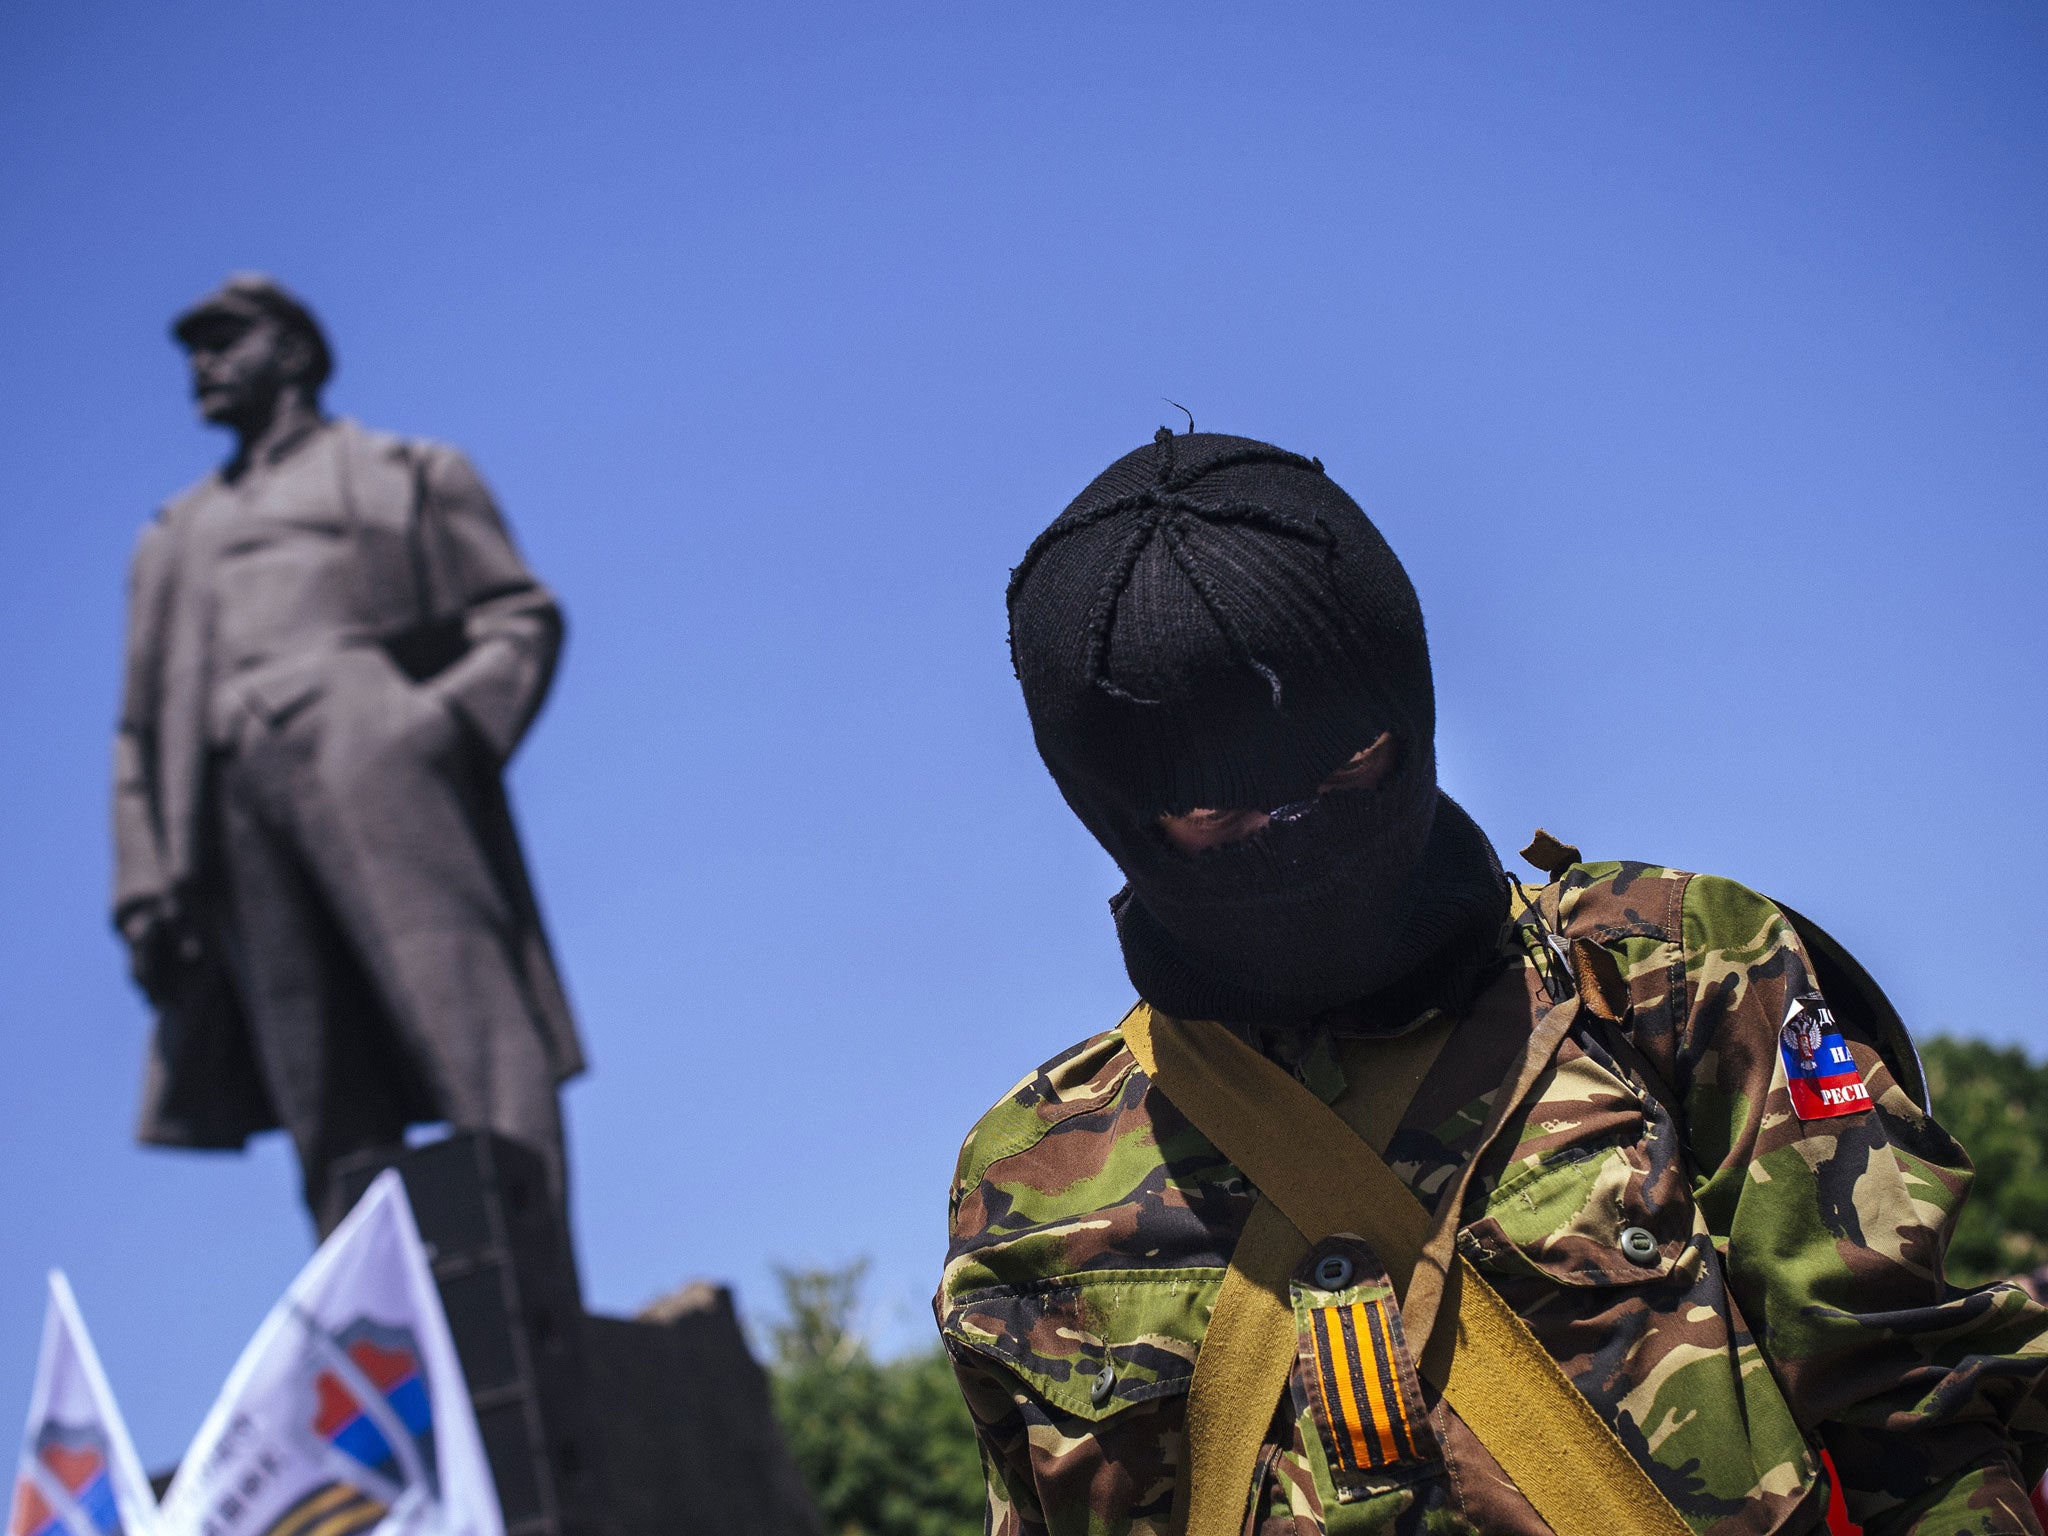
1214	624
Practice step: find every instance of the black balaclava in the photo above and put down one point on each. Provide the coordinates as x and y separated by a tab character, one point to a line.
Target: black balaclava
1214	624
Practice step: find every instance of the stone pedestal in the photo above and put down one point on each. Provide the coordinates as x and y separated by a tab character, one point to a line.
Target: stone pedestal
691	1446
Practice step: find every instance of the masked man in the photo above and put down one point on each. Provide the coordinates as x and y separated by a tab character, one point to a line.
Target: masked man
333	647
1410	1198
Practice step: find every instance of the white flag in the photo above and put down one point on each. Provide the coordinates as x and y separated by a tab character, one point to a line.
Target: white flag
347	1413
78	1474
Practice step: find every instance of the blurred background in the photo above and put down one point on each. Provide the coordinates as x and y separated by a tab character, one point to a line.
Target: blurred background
1692	359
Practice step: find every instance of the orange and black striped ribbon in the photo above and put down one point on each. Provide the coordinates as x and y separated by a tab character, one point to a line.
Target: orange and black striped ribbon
1372	1423
332	1509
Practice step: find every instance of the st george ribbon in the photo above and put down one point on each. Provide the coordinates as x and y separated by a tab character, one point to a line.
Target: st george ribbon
347	1414
78	1474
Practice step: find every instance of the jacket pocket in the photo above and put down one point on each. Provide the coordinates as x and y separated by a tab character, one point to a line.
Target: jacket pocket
1092	1344
282	689
1585	1216
1596	1193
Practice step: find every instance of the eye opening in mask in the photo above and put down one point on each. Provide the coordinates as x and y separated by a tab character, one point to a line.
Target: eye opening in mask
1199	830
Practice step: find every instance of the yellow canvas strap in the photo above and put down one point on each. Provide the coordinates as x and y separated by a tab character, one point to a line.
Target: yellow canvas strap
1324	1179
1247	1354
1249	1347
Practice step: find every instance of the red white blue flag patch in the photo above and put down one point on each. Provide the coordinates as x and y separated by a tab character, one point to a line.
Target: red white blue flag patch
1820	1073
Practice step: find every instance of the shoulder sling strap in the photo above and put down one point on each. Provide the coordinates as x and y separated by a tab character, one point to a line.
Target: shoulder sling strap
1321	1178
1249	1347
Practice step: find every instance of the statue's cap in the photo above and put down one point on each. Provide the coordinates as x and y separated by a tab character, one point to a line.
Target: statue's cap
251	296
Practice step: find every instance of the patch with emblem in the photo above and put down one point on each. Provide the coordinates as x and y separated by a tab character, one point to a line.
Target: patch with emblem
1820	1073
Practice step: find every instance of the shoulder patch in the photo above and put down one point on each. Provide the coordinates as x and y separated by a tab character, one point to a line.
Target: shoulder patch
1820	1073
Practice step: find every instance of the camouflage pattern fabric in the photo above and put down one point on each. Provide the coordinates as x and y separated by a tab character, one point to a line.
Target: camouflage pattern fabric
1729	1285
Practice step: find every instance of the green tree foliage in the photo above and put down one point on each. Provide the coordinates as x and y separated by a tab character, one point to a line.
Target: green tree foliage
885	1446
1995	1102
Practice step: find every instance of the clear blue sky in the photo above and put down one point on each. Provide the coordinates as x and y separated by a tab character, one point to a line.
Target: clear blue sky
1694	358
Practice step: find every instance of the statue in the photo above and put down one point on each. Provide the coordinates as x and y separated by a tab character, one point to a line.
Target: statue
333	648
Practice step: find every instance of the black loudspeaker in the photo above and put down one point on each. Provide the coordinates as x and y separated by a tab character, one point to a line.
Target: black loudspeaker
501	1257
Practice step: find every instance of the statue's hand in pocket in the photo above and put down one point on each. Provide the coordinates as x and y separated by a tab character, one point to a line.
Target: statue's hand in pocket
428	725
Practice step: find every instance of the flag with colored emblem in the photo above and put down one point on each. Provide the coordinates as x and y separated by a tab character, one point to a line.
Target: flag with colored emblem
78	1474
347	1414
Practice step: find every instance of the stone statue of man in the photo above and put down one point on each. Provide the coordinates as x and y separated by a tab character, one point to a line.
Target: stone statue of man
333	647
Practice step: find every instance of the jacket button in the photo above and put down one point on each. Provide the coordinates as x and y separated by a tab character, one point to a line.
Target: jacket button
1103	1384
1333	1271
1638	1246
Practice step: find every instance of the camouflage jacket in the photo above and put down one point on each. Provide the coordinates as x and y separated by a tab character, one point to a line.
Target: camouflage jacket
1732	1286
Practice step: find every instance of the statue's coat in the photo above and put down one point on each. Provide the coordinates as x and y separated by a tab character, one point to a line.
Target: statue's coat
439	588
